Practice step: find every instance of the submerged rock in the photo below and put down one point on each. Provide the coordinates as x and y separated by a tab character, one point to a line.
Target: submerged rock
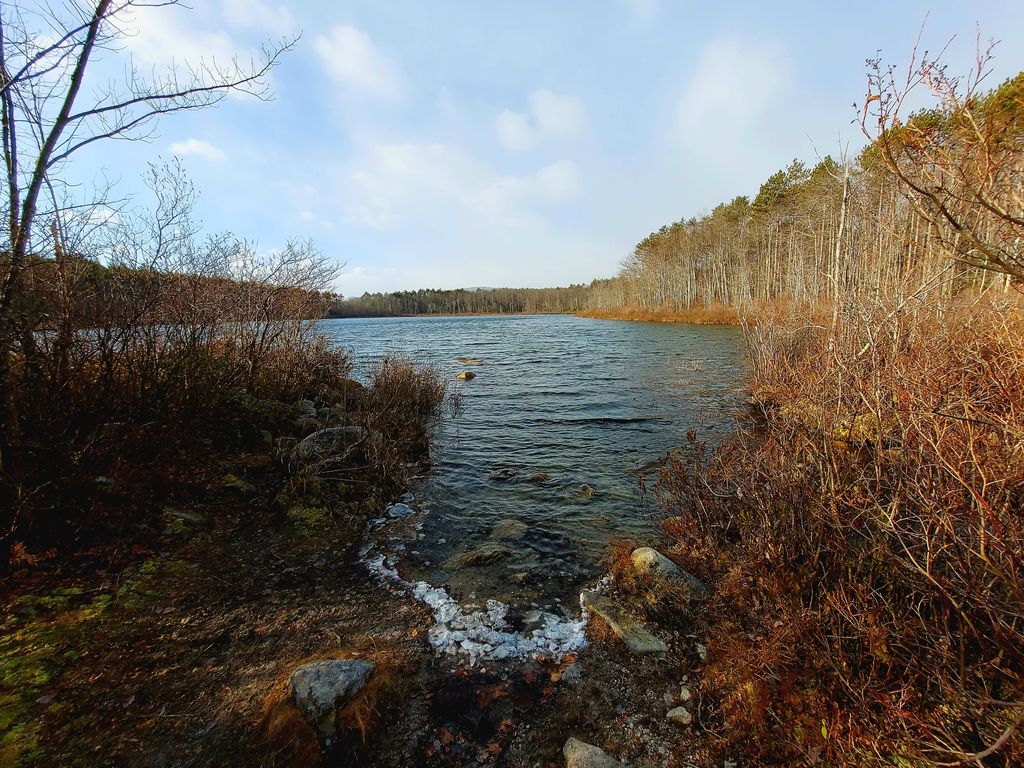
579	754
509	530
584	493
650	562
471	360
319	687
466	376
634	634
485	555
503	473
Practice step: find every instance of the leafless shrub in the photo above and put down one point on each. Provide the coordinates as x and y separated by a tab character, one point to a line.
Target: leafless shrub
871	551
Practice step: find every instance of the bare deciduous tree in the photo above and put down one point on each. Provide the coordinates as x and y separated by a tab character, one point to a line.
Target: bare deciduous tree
48	112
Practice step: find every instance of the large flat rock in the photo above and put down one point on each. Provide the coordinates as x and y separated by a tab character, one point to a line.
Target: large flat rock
635	635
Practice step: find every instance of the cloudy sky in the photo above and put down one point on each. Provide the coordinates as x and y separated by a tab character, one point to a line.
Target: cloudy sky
526	143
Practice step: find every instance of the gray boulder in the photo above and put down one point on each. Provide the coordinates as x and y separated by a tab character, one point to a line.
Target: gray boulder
319	687
650	562
326	443
579	754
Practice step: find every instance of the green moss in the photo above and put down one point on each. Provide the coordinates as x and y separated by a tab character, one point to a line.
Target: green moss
38	644
19	746
309	519
149	584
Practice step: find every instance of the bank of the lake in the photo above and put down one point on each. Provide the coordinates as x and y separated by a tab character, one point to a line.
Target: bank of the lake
174	644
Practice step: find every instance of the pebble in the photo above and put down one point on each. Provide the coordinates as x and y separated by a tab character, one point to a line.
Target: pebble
680	715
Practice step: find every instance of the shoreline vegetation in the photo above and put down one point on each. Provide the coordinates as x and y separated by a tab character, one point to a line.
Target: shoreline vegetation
186	466
715	314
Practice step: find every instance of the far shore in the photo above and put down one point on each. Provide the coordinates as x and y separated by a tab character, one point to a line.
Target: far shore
695	315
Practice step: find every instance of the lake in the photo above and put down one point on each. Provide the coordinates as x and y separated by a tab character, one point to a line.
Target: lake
546	462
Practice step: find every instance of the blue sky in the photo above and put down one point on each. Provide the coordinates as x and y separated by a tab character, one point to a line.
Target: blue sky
445	144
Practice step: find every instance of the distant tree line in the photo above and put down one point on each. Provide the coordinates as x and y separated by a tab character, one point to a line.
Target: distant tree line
464	301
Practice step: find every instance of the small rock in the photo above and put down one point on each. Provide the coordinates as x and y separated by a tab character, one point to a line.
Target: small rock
684	693
321	686
400	511
584	492
243	487
573	673
680	716
579	754
471	360
702	651
466	376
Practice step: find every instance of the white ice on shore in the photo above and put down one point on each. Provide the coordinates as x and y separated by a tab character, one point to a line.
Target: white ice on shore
483	635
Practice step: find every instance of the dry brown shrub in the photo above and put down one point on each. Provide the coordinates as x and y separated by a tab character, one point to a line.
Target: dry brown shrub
873	520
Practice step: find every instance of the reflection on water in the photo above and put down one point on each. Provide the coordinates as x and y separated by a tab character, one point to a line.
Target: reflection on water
543	467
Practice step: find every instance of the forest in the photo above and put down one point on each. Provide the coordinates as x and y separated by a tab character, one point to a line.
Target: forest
463	301
837	230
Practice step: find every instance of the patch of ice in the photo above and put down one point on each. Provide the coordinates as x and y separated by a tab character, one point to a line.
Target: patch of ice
485	634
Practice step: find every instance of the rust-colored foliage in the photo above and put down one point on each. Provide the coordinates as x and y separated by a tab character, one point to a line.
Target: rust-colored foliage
870	552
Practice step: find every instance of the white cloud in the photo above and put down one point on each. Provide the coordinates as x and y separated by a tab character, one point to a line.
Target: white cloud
514	131
557	115
349	55
724	111
507	196
197	148
643	8
307	216
260	15
551	116
438	184
161	36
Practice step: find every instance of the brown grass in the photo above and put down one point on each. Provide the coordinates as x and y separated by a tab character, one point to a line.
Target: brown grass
715	313
865	541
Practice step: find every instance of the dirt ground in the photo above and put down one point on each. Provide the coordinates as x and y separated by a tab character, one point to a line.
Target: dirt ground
168	654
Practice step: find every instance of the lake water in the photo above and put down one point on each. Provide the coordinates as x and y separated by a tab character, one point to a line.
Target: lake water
545	464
